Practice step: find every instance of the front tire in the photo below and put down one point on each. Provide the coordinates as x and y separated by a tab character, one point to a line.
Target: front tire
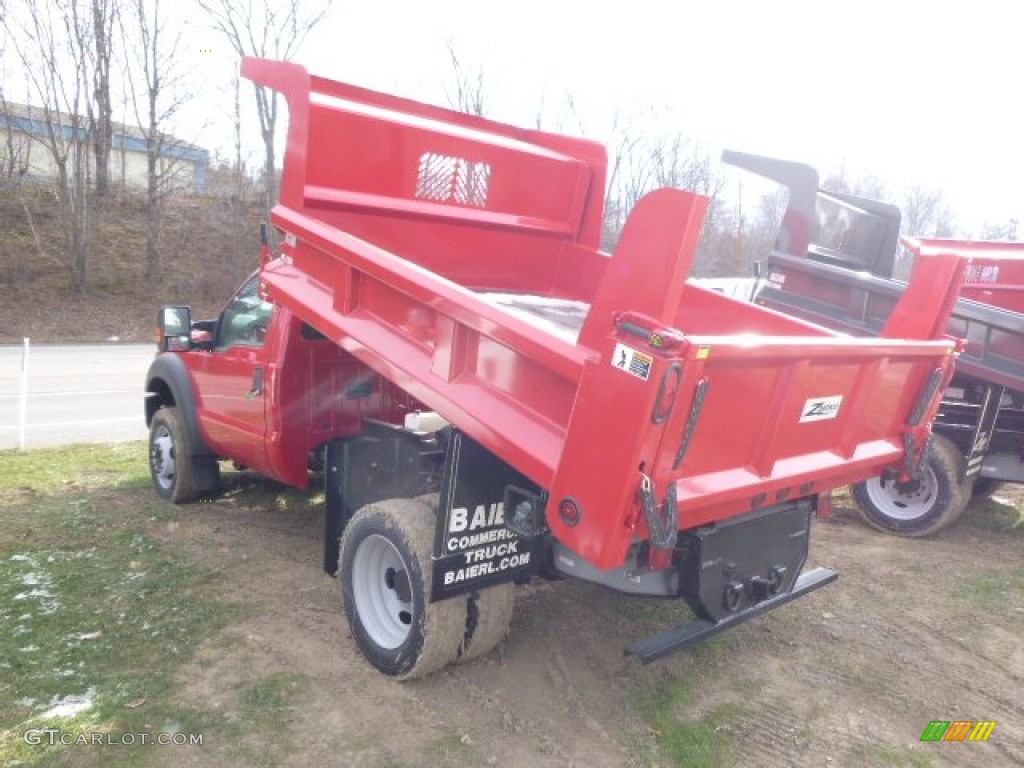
919	507
386	571
170	461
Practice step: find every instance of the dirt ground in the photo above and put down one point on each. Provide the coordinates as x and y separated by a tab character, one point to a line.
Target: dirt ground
913	631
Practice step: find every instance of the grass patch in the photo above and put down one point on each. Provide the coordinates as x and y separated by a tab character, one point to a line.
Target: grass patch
79	467
98	613
889	757
453	749
702	742
996	514
264	711
270	697
990	590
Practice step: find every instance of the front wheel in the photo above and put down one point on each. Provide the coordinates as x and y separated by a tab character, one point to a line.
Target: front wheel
918	507
178	476
170	462
386	572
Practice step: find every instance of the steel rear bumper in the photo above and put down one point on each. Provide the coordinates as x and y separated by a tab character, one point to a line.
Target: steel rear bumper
675	639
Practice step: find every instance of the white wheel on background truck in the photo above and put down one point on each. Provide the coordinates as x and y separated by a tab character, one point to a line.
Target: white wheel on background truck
922	506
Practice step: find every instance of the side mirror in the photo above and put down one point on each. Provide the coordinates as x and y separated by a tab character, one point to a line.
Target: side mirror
174	326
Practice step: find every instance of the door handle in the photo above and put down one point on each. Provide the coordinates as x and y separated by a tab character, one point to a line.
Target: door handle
257	384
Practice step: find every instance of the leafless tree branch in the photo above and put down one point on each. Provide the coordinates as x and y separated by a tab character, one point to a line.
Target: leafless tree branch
52	40
272	29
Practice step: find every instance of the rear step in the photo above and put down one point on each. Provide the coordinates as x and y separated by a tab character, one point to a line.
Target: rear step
657	646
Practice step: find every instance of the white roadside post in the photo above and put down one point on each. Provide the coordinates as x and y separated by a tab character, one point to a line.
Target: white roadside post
24	397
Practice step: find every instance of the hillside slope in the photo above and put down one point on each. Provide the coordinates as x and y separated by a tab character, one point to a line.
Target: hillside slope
208	246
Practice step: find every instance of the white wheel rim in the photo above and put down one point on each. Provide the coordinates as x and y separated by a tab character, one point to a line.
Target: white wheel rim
161	457
904	504
376	566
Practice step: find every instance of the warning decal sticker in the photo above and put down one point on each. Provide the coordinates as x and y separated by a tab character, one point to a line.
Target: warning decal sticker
632	361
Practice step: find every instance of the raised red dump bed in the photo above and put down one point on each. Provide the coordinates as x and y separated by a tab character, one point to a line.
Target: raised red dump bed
460	258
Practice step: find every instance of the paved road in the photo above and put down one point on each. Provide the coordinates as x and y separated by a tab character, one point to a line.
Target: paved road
89	393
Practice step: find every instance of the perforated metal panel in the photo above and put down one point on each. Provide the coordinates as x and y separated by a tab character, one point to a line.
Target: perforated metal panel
452	179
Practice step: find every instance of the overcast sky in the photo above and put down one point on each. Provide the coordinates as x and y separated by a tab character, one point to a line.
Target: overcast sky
907	90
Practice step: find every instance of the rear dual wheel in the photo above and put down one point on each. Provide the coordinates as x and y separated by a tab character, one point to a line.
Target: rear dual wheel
386	570
922	506
488	615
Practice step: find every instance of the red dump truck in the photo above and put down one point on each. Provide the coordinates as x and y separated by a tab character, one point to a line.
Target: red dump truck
490	398
835	263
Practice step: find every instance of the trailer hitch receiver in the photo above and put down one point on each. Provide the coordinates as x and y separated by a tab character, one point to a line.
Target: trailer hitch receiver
736	570
735	565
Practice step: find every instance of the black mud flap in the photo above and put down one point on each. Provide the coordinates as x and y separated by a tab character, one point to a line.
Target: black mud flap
384	462
475	547
738	569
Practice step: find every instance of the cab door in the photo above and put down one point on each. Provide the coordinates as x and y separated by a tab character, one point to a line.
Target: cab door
232	380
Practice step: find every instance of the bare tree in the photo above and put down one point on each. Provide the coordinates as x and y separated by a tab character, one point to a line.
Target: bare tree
17	149
740	229
620	159
865	185
101	119
1000	230
155	77
468	93
272	29
641	161
51	39
926	213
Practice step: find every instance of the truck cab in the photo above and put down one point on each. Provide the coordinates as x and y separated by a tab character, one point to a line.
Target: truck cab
257	386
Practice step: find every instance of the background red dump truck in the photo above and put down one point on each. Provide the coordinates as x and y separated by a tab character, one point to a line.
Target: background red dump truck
835	263
491	398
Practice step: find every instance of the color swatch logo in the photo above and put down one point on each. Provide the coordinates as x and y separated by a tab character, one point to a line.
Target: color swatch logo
958	730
